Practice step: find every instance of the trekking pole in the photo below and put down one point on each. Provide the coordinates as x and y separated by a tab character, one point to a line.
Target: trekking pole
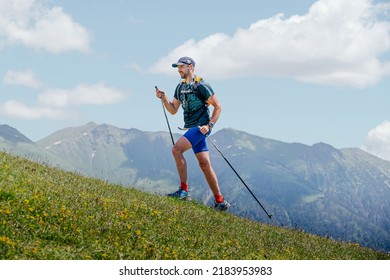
166	118
215	146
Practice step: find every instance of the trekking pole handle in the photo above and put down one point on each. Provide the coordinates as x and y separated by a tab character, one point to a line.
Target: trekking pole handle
162	93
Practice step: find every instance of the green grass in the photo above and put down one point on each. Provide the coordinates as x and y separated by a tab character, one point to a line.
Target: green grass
46	213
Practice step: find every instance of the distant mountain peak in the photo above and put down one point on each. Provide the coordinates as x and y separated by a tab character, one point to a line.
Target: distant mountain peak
12	135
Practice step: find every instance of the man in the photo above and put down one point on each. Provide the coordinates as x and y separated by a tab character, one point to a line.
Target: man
194	95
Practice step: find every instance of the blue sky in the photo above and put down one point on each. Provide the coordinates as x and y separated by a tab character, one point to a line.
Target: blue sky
295	71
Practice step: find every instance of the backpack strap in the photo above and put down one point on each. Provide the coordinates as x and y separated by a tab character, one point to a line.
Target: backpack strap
197	81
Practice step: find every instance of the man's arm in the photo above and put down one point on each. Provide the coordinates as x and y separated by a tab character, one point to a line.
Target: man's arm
213	100
172	107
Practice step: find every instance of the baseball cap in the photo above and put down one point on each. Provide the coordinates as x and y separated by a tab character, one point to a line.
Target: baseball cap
184	61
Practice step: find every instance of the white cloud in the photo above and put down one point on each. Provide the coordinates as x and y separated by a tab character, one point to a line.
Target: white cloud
377	141
26	78
95	94
335	42
56	104
15	109
33	24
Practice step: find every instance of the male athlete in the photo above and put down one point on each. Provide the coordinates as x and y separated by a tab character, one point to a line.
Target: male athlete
194	96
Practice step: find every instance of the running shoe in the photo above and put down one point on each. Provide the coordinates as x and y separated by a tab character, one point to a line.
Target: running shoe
222	206
180	194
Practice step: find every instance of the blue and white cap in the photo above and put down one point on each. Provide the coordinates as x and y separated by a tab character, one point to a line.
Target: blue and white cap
184	61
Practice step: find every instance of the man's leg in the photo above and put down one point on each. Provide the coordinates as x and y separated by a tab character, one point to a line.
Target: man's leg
199	146
208	171
178	150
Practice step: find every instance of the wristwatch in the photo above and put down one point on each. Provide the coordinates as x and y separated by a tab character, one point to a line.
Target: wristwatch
211	124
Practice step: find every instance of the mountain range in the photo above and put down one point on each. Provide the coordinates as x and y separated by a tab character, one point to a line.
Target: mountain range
340	193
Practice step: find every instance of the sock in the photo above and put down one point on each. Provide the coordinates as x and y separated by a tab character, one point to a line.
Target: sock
218	198
184	186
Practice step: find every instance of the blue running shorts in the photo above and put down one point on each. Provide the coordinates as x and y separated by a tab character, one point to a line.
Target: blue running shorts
197	139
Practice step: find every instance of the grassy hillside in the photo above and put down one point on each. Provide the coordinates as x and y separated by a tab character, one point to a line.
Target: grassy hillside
46	213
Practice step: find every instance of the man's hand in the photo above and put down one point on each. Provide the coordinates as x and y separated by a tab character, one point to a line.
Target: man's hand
159	93
204	129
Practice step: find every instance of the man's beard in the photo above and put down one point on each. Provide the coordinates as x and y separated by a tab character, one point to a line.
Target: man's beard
184	74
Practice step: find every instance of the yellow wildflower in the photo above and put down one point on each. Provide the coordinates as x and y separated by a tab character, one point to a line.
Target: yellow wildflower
6	240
